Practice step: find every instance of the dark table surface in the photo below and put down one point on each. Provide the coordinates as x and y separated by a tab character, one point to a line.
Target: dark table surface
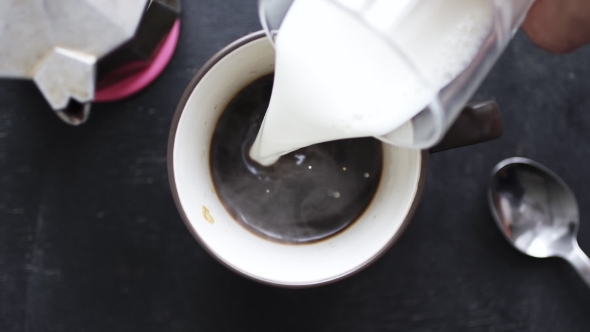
90	239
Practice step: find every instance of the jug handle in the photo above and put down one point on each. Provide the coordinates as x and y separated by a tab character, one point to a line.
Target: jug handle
477	123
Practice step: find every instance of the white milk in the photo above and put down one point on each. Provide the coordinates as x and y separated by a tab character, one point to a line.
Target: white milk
335	78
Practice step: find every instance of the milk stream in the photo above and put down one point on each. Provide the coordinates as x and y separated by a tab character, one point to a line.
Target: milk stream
335	78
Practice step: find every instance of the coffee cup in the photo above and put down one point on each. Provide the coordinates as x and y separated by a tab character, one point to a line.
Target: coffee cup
292	265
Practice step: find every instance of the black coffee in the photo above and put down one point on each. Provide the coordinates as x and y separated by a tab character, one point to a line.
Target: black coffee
308	195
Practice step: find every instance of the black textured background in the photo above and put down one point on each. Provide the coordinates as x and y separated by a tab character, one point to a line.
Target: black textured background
90	239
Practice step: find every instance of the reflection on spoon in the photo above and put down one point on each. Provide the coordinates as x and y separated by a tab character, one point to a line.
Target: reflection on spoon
537	212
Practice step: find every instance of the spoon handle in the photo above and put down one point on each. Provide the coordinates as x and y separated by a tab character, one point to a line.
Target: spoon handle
580	262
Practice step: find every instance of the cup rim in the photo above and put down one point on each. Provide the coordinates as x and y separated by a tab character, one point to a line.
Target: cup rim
172	180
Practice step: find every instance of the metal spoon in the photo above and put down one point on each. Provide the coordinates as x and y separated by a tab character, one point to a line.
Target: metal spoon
537	212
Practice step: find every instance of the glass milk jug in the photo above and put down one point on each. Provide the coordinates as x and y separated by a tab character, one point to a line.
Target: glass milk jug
426	26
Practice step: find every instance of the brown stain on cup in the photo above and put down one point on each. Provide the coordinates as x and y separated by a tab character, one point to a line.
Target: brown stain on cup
208	216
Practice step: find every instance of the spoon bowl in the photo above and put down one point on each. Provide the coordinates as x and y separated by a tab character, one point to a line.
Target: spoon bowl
537	212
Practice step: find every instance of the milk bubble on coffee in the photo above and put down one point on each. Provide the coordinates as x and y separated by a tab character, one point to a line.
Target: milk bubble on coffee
337	77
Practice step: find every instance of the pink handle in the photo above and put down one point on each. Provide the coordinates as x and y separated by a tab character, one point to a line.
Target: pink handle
134	77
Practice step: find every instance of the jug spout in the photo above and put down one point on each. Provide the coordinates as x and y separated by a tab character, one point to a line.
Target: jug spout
271	14
75	113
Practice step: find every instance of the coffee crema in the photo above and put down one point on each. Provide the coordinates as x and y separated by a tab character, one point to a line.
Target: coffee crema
308	195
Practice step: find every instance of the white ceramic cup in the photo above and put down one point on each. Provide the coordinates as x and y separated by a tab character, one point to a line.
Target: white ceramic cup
206	97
